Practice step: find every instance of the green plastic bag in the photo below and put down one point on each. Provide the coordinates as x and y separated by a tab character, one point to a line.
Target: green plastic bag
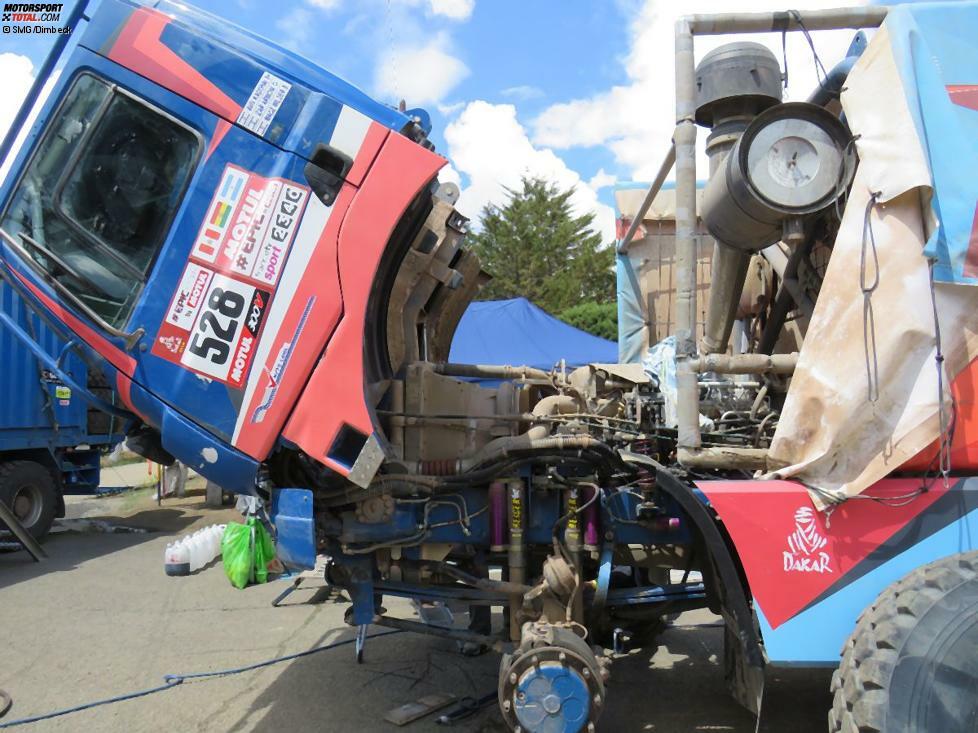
264	550
246	550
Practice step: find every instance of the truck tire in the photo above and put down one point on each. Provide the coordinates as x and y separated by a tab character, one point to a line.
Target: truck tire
910	666
30	491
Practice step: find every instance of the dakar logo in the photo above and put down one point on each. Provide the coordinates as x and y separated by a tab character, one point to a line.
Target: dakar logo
806	553
172	343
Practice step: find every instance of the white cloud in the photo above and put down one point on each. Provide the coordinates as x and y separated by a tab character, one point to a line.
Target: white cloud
454	9
419	75
450	108
522	92
297	26
489	145
17	73
448	174
602	179
635	119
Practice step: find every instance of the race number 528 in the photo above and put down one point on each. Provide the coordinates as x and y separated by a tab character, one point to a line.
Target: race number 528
217	330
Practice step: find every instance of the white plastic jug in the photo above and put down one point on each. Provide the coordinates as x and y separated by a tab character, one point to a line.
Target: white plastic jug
176	559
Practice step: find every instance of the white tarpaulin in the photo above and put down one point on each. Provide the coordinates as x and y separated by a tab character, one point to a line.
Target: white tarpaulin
865	397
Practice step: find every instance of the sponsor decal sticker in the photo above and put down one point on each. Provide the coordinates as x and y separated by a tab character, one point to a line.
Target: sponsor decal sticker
250	226
215	316
215	226
806	553
281	364
264	103
212	327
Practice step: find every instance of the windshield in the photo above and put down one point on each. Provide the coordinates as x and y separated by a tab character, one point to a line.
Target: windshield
94	204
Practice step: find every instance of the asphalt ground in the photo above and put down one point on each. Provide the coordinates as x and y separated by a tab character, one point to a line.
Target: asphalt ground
100	618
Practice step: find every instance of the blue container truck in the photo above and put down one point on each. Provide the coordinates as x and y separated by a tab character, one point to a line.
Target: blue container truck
51	441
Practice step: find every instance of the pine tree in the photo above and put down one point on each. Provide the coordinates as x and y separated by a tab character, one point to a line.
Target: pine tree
534	247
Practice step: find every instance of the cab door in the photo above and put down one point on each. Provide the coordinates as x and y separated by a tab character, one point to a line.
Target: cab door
166	225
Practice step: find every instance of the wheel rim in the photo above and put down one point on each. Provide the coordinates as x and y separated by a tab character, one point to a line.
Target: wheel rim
27	504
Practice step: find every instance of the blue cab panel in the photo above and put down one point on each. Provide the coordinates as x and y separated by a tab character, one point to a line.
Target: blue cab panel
295	541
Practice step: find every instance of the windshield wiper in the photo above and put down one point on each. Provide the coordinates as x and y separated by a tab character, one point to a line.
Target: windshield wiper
131	339
64	266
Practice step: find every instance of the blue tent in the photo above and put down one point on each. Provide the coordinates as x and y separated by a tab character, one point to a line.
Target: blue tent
518	333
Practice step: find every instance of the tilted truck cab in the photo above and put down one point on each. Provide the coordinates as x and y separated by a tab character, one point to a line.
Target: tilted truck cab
207	213
261	261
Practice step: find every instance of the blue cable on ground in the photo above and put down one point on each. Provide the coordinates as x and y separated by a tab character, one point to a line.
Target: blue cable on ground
173	680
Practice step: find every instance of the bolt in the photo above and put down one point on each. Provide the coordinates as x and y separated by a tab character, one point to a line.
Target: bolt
562	657
590	728
609	536
586	672
520	696
536	661
512	678
597	701
506	705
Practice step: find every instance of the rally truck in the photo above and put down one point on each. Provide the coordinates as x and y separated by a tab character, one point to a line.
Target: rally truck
263	265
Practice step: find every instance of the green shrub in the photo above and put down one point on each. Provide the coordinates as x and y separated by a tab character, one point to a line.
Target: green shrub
600	319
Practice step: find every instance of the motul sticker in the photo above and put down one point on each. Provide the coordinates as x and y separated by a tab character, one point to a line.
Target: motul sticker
250	225
215	315
212	325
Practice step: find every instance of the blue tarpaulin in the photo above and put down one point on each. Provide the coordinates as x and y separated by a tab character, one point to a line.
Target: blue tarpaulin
934	46
518	333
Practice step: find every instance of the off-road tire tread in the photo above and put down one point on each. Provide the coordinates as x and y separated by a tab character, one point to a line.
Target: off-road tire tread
860	684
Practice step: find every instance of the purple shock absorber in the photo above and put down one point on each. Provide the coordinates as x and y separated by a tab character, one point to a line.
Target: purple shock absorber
591	515
497	514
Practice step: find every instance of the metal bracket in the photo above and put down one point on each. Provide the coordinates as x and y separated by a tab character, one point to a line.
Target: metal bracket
30	544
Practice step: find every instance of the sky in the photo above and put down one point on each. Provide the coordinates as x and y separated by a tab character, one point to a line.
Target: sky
576	91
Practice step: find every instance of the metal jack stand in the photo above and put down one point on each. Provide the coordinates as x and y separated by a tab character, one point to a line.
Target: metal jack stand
317	573
29	543
361	641
288	591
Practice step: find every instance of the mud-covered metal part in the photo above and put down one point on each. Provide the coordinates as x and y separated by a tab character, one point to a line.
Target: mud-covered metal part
687	393
553	683
734	83
743	75
747	363
434	284
375	509
516	554
793	160
743	657
660	178
491	371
